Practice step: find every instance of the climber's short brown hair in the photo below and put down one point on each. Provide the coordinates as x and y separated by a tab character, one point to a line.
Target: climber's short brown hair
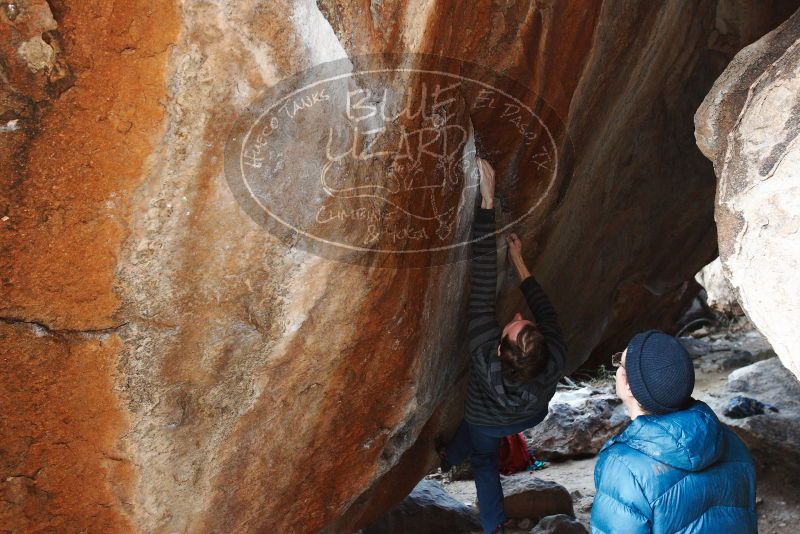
524	359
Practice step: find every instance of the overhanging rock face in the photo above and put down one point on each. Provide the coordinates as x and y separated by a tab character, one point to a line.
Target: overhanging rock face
170	363
749	126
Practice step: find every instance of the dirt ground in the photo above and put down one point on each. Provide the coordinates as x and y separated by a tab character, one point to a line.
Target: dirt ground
575	475
778	494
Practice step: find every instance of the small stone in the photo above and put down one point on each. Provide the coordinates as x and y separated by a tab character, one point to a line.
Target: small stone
737	358
10	126
559	524
11	10
530	497
695	347
5	218
37	54
741	406
700	332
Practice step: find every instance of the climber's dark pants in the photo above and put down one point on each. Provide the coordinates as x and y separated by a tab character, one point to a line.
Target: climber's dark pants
480	444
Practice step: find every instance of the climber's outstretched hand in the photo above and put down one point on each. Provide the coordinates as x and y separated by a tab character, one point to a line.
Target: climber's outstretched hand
487	182
515	255
514	245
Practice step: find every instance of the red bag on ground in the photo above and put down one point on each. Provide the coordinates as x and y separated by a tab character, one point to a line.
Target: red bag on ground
514	455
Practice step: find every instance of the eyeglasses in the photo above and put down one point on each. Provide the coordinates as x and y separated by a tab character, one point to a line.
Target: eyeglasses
616	359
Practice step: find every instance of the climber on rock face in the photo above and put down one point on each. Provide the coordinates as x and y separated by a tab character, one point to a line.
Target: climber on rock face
514	369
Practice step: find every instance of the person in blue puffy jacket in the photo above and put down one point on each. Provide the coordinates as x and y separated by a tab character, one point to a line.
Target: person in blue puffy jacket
676	468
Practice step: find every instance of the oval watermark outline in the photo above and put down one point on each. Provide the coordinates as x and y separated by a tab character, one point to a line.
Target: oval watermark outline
262	112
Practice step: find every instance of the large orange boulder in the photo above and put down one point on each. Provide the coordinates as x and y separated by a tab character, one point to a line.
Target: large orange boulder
191	344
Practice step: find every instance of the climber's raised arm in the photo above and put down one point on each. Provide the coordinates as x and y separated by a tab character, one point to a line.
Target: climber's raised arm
482	323
536	298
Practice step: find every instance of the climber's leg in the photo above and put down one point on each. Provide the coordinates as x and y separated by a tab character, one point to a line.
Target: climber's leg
460	447
487	478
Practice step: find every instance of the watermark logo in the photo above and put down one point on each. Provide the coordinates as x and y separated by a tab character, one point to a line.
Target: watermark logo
371	159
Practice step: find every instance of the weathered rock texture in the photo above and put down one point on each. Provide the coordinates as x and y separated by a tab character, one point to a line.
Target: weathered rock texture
720	295
578	424
168	366
82	88
428	509
749	126
559	524
773	437
526	496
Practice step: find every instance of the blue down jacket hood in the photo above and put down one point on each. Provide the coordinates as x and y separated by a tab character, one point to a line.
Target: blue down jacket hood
680	472
690	439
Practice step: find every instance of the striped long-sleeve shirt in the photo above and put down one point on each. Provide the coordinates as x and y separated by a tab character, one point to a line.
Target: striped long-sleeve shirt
493	399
